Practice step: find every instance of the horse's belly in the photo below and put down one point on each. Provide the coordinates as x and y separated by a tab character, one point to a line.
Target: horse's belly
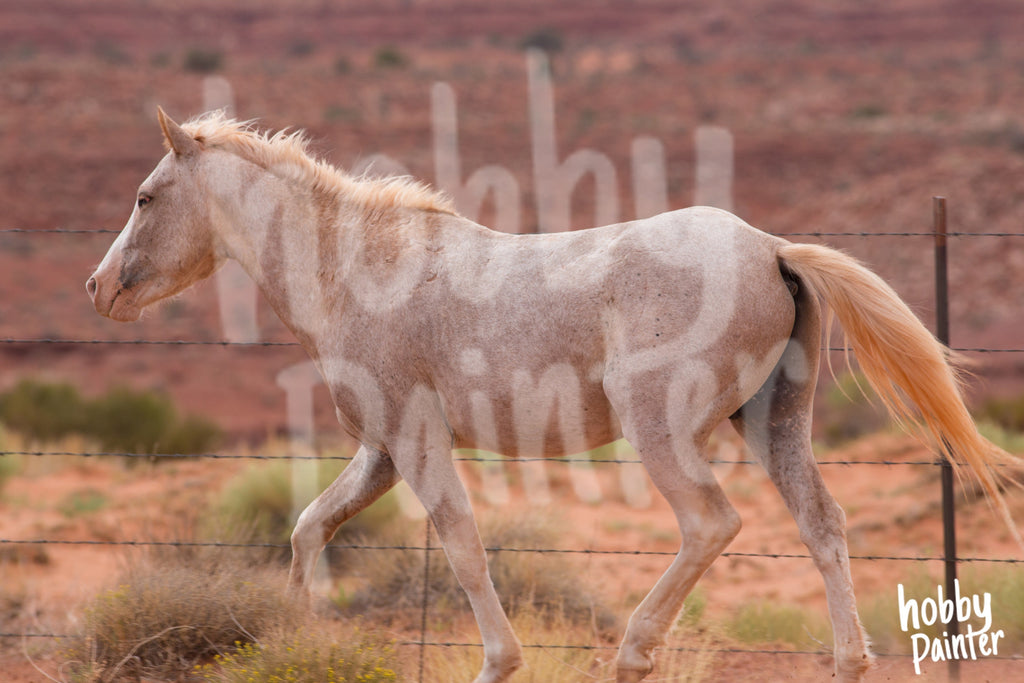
555	414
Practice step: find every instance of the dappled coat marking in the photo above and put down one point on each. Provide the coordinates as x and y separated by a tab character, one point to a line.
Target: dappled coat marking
434	333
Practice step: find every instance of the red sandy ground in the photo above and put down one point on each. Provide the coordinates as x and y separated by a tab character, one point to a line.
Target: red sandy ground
892	511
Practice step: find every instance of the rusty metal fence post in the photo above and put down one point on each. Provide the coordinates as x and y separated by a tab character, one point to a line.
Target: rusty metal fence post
948	502
426	598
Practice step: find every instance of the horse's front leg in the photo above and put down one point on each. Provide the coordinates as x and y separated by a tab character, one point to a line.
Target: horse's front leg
425	462
367	478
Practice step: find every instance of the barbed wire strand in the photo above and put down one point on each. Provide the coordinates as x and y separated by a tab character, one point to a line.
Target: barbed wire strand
482	459
862	233
490	549
225	343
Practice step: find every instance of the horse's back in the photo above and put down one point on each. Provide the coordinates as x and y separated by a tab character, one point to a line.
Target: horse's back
639	302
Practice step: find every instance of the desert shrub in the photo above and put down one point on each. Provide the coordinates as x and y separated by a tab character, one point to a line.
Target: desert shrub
9	466
10	463
301	47
1009	440
868	111
305	657
1009	136
191	435
203	60
258	506
881	618
82	502
390	57
122	420
170	614
1007	413
849	410
1006	585
765	622
43	411
545	38
694	608
111	52
131	421
125	420
541	583
342	66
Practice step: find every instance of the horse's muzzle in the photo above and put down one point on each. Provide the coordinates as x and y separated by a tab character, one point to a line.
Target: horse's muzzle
111	299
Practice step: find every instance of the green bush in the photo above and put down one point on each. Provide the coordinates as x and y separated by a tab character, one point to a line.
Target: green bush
547	39
203	61
43	411
765	622
9	466
881	618
868	111
122	420
192	435
849	410
82	502
111	52
301	47
1007	413
342	66
258	506
390	57
129	421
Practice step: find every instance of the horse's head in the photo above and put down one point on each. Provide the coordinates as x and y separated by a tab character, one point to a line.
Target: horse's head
168	243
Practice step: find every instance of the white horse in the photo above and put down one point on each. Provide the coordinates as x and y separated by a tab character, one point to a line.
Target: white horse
435	333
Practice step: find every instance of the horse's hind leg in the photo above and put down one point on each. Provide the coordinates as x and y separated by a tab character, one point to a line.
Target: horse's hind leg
776	424
707	521
367	478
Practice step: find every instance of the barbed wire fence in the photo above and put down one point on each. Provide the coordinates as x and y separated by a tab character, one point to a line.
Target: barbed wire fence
427	547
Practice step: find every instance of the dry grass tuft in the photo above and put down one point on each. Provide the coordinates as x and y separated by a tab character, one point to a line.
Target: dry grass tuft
541	583
302	656
767	622
258	506
166	617
689	655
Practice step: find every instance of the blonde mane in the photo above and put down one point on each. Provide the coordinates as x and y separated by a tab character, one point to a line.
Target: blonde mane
286	155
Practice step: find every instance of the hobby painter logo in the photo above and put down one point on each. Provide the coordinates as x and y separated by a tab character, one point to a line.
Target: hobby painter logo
940	610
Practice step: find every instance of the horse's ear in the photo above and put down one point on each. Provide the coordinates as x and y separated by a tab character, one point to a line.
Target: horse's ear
175	138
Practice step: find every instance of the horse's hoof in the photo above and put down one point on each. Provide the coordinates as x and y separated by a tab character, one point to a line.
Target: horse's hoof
634	668
498	672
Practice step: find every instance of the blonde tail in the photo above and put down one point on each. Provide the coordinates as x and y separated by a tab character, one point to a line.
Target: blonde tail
902	361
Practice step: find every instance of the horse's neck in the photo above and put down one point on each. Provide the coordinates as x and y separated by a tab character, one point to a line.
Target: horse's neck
274	234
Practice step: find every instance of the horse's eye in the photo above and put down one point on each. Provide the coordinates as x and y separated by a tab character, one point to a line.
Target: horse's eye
144	199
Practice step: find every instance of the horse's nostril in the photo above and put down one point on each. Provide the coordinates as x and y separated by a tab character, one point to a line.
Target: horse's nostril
90	287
